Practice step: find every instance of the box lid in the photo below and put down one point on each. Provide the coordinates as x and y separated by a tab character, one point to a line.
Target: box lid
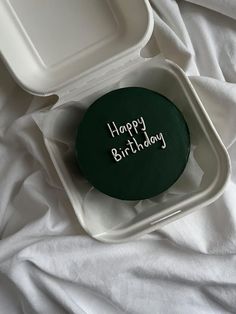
52	45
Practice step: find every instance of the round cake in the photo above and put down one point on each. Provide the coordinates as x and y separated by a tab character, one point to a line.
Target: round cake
132	143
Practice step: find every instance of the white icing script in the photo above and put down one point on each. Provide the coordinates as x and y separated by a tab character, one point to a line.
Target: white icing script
132	146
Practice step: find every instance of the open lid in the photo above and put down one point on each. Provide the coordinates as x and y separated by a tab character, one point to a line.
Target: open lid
51	45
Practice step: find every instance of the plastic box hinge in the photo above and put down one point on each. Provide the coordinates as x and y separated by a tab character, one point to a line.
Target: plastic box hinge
90	81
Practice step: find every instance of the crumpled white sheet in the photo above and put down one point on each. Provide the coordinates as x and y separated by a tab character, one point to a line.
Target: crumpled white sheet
48	264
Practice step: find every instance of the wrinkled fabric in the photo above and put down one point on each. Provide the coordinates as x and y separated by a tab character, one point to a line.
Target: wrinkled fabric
49	265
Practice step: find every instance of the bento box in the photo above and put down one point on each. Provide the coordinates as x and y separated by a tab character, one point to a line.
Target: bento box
81	50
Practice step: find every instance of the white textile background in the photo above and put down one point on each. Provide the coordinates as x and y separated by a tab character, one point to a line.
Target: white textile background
47	263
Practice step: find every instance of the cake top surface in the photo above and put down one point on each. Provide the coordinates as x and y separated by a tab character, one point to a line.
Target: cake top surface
132	143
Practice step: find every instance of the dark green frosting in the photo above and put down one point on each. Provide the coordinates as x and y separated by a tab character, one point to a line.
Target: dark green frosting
134	174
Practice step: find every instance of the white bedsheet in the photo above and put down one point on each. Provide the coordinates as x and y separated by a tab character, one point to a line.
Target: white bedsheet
47	263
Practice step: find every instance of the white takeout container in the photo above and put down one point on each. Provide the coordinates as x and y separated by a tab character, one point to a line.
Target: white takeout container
80	50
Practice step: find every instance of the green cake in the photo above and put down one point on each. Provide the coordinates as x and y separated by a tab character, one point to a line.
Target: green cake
132	143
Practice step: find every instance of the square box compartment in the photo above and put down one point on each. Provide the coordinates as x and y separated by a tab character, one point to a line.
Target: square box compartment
113	220
80	71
